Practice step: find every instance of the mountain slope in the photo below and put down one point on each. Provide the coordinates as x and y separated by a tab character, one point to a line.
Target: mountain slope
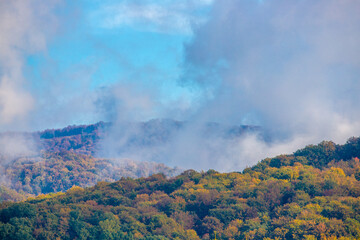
319	156
57	159
84	139
54	172
312	194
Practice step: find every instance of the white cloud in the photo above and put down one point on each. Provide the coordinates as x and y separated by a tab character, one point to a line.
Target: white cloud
292	65
168	16
14	102
24	26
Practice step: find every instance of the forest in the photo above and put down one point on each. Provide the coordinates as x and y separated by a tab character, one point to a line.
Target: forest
311	194
52	172
186	120
71	156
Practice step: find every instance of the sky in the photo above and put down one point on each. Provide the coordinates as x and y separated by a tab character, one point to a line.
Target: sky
291	67
69	54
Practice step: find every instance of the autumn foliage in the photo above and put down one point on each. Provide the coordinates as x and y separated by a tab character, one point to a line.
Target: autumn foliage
311	194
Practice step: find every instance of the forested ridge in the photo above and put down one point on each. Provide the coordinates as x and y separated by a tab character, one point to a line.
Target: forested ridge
84	139
56	159
53	172
311	194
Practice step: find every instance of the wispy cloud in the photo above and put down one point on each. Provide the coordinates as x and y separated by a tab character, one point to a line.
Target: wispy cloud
167	17
24	29
291	66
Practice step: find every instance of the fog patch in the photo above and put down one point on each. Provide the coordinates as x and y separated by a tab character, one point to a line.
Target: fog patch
290	68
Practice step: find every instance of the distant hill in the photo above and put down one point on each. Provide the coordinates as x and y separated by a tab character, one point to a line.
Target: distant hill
81	139
311	194
84	139
57	159
55	172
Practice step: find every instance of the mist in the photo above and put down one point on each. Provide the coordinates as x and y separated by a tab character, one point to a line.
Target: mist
14	145
25	27
290	67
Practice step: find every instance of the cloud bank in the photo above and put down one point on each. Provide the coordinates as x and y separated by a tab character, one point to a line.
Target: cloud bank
291	67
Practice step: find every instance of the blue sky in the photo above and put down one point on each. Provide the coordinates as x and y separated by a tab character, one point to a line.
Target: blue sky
232	61
291	67
101	44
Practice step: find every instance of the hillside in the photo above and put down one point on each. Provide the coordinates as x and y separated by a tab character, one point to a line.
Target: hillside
84	139
59	171
311	194
81	139
54	160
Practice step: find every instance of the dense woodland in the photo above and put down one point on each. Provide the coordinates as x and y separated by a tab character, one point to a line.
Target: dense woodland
59	171
81	139
62	158
311	194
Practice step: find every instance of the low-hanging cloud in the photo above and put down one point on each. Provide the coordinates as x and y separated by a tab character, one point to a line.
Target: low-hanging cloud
24	29
14	145
291	67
